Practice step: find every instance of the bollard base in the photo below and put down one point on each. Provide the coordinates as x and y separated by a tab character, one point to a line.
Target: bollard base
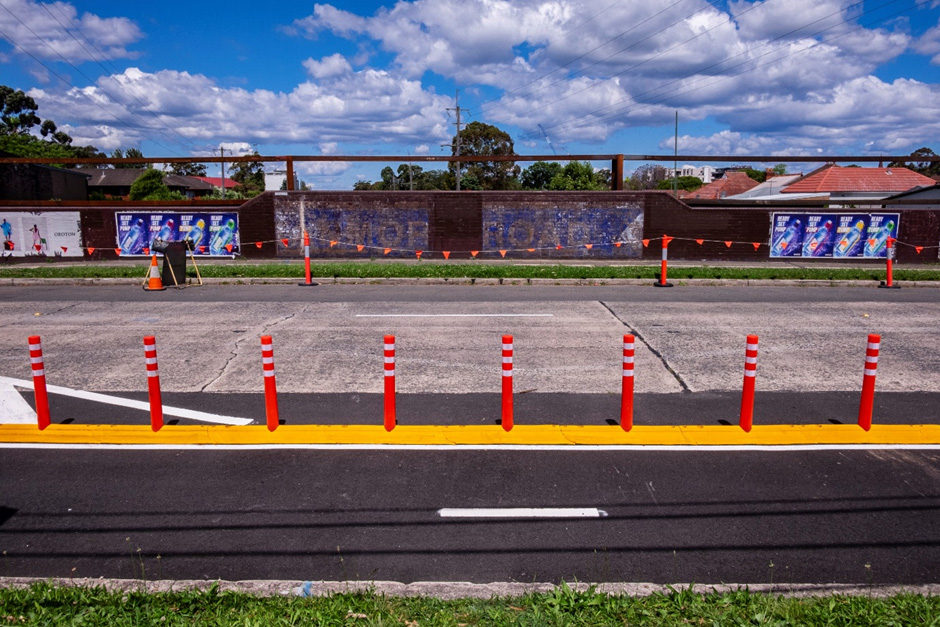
154	289
889	287
658	284
311	284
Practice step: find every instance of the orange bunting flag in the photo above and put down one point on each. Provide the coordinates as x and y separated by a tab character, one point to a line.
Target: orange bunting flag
117	251
871	242
617	244
589	246
228	247
258	244
918	249
65	249
531	250
359	247
446	254
646	243
728	244
90	250
756	245
285	242
418	253
146	251
202	249
388	250
39	246
700	241
333	243
558	247
474	253
503	252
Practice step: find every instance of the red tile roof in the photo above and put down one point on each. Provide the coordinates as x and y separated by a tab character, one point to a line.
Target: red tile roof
834	178
730	184
216	181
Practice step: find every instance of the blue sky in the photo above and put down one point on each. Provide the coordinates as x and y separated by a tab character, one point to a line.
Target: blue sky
779	77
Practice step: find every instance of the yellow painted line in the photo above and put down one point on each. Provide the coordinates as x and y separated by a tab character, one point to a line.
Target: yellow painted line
470	435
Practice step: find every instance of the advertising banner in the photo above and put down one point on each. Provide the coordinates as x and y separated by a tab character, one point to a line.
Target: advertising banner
212	234
52	234
832	236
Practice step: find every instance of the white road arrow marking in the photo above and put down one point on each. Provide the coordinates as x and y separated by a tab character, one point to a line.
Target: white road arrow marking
13	408
521	512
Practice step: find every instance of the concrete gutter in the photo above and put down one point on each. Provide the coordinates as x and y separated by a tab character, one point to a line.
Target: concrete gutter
463	590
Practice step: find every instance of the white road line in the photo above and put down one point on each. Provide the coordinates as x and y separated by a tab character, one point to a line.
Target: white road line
521	512
455	315
7	390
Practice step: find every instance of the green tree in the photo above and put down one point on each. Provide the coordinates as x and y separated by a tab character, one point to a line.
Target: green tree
483	140
249	175
688	183
780	169
188	169
132	153
758	175
540	174
150	186
927	168
576	175
647	176
17	112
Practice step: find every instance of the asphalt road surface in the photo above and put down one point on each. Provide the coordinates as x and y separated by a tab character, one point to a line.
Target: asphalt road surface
804	516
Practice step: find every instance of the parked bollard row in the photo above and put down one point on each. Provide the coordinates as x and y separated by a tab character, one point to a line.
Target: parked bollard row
865	413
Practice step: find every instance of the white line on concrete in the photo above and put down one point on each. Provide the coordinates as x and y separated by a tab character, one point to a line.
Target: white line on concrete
13	408
7	390
455	315
521	512
569	448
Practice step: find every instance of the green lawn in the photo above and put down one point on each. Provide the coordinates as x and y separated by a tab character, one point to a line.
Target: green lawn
472	270
43	604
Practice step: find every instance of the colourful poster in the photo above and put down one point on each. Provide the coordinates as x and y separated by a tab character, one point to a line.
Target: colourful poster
850	236
832	236
211	234
819	235
41	234
786	236
880	228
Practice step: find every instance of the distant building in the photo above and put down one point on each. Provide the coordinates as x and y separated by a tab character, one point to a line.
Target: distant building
117	182
851	185
216	181
731	184
706	173
275	178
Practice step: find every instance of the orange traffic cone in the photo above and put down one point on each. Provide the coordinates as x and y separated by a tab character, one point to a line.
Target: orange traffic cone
155	283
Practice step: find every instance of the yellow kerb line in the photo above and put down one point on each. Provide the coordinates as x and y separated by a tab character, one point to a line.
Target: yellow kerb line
474	435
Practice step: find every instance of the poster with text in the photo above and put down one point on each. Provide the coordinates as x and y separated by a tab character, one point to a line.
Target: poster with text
211	234
786	236
881	226
52	234
850	236
819	235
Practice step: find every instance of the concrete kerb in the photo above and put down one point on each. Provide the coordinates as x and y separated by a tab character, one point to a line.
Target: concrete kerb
460	590
475	281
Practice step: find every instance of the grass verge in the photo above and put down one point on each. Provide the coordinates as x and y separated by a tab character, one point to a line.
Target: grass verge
369	270
43	604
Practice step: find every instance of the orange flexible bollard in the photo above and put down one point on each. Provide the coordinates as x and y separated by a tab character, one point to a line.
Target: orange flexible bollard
39	382
307	280
626	398
507	383
390	419
153	383
750	374
663	271
867	405
270	385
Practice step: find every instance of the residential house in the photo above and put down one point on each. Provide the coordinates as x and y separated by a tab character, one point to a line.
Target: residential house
852	185
731	184
117	183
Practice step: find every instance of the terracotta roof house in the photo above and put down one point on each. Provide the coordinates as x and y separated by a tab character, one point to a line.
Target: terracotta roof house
769	189
216	181
929	195
118	181
731	184
850	184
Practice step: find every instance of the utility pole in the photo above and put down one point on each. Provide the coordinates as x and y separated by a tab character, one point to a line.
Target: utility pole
222	154
457	147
